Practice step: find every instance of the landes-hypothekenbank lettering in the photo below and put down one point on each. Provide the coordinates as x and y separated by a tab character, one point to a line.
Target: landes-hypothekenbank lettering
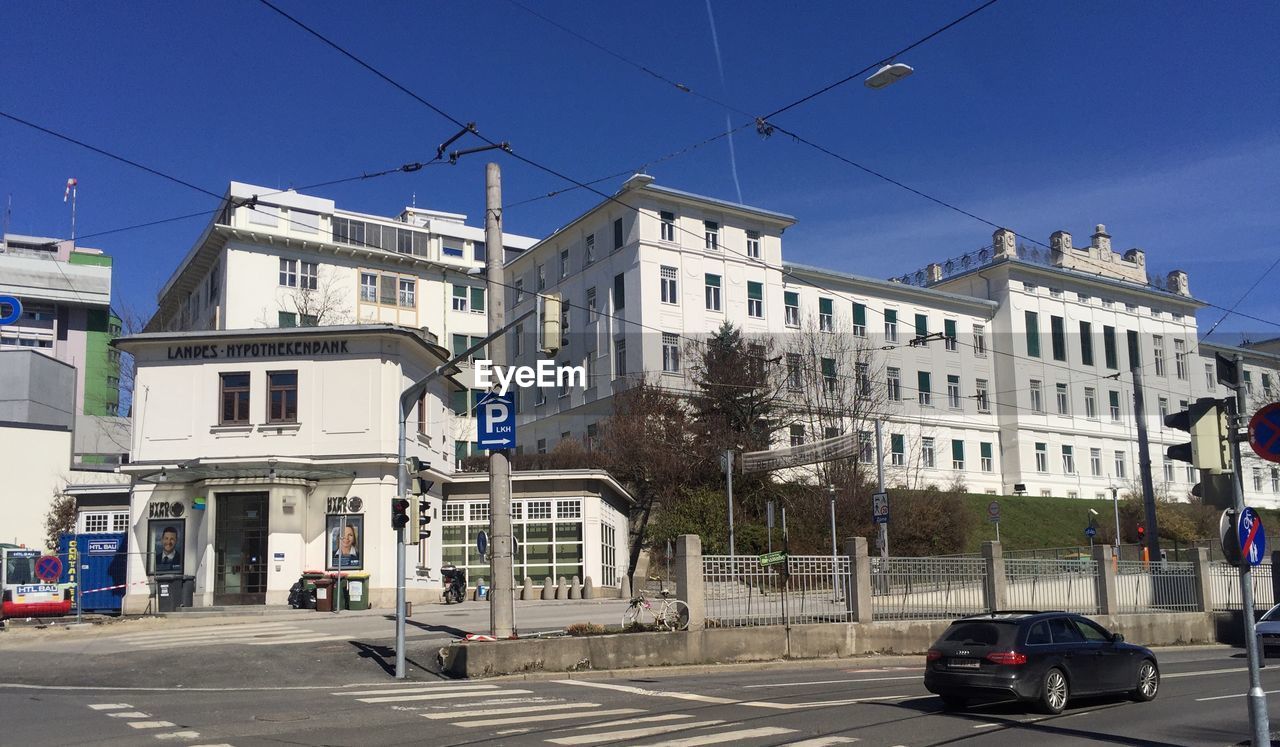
258	350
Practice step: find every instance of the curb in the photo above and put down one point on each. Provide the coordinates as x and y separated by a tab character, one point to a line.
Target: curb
858	662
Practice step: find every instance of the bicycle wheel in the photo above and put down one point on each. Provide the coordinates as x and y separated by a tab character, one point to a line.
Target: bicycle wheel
675	615
630	616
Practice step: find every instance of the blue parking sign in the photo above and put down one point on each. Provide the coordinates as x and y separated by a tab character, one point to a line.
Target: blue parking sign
497	421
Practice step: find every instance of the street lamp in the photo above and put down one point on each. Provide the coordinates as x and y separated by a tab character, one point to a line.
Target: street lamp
888	75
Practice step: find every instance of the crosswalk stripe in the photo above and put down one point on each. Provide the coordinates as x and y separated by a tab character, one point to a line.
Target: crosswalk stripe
505	711
441	696
179	735
721	737
108	706
546	717
640	720
275	639
317	638
149	724
821	742
420	689
613	736
129	714
196	632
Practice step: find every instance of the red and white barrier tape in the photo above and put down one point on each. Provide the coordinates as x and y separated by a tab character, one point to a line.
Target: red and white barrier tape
117	586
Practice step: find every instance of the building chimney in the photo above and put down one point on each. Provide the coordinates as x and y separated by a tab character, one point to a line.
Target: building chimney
1179	283
1003	244
933	273
1060	241
1101	239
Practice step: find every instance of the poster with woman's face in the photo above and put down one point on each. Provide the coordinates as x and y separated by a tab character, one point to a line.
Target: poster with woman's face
346	541
166	538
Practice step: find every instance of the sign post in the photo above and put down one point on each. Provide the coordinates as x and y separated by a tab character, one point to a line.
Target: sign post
993	515
496	422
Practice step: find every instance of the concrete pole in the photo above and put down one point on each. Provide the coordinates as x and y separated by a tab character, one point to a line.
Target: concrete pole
835	556
402	489
1144	465
501	589
1115	503
884	528
728	481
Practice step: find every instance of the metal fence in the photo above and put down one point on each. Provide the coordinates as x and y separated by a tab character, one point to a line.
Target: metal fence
740	593
927	588
1224	587
1155	587
1049	584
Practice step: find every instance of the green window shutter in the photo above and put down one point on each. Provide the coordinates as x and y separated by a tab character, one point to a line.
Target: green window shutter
755	291
922	379
1113	398
459	450
984	449
1135	352
286	319
459	402
459	291
1109	347
1033	334
460	344
922	325
897	443
860	314
829	367
1058	338
713	281
477	299
792	298
957	450
890	316
824	306
949	328
1086	343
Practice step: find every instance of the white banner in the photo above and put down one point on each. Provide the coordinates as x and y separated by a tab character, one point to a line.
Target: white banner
839	447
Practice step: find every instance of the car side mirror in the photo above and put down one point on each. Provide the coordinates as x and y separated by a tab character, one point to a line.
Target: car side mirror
1117	638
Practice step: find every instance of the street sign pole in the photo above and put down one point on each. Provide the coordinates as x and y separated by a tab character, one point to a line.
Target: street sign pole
502	583
1258	718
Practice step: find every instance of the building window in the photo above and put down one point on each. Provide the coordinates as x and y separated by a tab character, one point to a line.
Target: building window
619	358
670	352
890	325
979	341
1068	460
1058	338
957	454
1168	470
711	230
793	372
564	263
862	375
452	250
927	452
924	388
1095	462
235	399
1180	358
668	226
980	394
619	292
753	245
797	435
791	307
289	273
459	297
1064	400
755	299
1257	479
667	279
519	290
713	292
542	277
1037	396
1120	465
987	463
517	341
592	311
1113	398
893	384
477	300
1109	347
1090	403
922	325
859	320
1266	387
369	287
286	319
825	322
953	392
617	234
1135	352
1210	377
282	397
1164	409
1275	480
949	335
408	292
1086	343
897	450
865	448
1033	334
1157	353
608	555
829	375
1042	457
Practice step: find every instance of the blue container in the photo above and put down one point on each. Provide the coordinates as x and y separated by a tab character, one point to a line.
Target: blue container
104	562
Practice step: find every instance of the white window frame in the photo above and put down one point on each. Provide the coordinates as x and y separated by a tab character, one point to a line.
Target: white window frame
668	284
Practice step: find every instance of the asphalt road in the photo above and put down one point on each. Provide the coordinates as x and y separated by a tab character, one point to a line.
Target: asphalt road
219	687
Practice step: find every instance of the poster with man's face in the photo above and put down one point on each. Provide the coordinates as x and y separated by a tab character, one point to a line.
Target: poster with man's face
167	539
345	534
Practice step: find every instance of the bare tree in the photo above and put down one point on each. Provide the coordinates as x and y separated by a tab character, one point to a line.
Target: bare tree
326	304
60	520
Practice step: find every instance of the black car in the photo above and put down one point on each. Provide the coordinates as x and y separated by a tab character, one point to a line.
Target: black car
1045	657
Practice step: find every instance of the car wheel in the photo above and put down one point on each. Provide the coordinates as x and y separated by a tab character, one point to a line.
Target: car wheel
1054	692
953	703
1148	681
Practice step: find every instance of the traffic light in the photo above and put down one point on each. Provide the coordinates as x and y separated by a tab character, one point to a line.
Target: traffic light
1209	449
418	485
550	330
399	513
1142	533
424	520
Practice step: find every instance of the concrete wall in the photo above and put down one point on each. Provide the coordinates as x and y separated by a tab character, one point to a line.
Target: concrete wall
36	389
35	461
720	646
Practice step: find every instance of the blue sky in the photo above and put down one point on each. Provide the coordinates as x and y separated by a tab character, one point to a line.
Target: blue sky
1157	119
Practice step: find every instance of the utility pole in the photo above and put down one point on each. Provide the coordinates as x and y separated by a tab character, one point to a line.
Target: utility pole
1144	466
1258	718
884	528
728	477
835	557
502	587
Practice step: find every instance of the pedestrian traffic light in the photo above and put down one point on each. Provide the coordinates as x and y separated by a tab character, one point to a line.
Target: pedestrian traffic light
1209	449
549	327
418	485
424	519
399	513
1142	533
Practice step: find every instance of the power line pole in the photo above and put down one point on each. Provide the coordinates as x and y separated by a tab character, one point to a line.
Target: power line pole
1144	465
502	586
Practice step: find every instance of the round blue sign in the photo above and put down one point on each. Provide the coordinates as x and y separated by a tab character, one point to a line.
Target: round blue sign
1253	540
14	312
482	542
1090	531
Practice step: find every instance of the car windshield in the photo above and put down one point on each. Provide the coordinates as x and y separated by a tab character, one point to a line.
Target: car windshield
1273	614
986	634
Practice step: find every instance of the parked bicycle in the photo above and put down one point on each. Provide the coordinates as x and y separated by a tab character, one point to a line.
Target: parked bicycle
665	613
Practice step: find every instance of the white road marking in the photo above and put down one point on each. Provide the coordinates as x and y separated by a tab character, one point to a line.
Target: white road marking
508	732
504	711
108	706
822	742
987	726
1236	695
176	634
731	701
728	736
129	714
317	638
612	736
179	735
440	696
419	689
504	721
1201	674
149	724
640	720
835	682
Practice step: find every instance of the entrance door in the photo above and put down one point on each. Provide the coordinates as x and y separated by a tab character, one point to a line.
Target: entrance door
240	549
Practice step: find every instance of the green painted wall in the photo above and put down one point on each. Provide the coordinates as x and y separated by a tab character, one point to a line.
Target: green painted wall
100	260
102	364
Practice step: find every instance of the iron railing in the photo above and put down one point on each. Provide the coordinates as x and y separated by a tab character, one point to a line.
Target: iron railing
1049	584
927	588
1155	587
739	592
1224	587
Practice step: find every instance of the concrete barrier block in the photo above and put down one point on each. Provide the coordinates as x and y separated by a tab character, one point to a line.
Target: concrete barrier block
562	589
624	590
575	589
548	588
526	591
588	590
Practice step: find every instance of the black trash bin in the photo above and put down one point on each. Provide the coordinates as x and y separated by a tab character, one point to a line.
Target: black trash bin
168	592
188	591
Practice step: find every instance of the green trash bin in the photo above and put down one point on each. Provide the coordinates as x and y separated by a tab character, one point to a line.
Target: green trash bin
356	594
309	579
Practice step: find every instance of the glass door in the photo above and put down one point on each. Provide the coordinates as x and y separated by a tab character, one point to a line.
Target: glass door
240	549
